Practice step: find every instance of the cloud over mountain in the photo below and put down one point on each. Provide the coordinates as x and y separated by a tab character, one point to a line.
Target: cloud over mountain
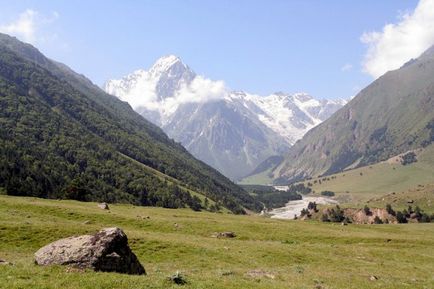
397	43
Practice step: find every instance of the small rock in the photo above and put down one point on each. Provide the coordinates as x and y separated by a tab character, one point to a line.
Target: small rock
258	273
106	251
373	278
223	235
103	206
87	222
4	262
410	201
226	273
177	278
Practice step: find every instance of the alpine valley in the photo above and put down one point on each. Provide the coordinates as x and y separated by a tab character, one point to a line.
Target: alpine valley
232	131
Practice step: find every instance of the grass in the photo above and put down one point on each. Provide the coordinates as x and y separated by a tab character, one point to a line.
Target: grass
297	254
389	180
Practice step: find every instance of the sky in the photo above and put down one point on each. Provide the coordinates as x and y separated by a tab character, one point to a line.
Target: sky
330	49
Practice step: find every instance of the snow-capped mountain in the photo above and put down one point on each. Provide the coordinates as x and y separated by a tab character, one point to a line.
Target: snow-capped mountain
233	131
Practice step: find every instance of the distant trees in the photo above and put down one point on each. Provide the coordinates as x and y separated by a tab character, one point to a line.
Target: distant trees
389	210
407	214
333	215
400	217
377	220
408	158
61	139
328	193
367	210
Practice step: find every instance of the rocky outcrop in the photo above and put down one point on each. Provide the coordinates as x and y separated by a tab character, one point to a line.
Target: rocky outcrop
103	206
106	251
359	216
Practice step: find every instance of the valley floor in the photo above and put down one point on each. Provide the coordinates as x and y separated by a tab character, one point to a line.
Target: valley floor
285	254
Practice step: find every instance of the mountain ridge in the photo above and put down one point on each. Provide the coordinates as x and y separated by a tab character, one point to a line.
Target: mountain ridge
260	126
62	136
392	115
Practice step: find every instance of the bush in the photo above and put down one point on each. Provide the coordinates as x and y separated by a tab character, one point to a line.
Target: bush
325	218
377	220
312	206
408	158
367	210
389	210
400	217
336	215
177	278
327	193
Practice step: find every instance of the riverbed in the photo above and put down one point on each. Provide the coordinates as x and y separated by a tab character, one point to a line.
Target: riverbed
293	208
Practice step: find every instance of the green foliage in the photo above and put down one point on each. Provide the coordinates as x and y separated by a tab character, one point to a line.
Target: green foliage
367	210
328	193
390	210
334	215
377	220
400	217
62	137
408	158
299	189
311	206
272	198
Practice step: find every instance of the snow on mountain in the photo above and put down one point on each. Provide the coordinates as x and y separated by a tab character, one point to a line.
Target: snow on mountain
233	131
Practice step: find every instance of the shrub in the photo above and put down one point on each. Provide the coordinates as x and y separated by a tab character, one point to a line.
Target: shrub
304	212
325	218
408	158
400	217
328	193
425	218
336	215
312	206
177	278
377	220
367	210
389	210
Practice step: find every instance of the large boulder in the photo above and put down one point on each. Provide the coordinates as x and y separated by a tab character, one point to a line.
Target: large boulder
106	251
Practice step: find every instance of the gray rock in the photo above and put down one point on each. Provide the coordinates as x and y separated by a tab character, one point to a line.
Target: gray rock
103	206
224	235
4	262
106	251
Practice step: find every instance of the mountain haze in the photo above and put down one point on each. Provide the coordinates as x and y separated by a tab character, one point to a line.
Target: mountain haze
233	131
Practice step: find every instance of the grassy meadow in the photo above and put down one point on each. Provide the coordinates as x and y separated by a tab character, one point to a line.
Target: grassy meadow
385	182
285	254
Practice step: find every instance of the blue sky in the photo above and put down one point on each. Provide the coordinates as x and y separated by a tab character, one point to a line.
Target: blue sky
257	46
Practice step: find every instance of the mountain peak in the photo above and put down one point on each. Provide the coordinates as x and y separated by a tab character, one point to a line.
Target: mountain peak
166	63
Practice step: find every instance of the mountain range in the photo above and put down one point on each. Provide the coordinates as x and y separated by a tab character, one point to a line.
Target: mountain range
63	137
391	116
232	131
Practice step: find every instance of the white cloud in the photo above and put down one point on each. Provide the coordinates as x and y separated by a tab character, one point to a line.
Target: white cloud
347	67
201	90
27	27
139	90
397	43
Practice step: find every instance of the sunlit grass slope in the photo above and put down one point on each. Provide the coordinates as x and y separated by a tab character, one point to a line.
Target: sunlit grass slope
293	254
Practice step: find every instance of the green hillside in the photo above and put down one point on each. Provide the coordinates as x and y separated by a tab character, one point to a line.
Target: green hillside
62	137
389	180
392	115
284	254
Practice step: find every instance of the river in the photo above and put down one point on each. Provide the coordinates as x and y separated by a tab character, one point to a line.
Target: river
293	208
